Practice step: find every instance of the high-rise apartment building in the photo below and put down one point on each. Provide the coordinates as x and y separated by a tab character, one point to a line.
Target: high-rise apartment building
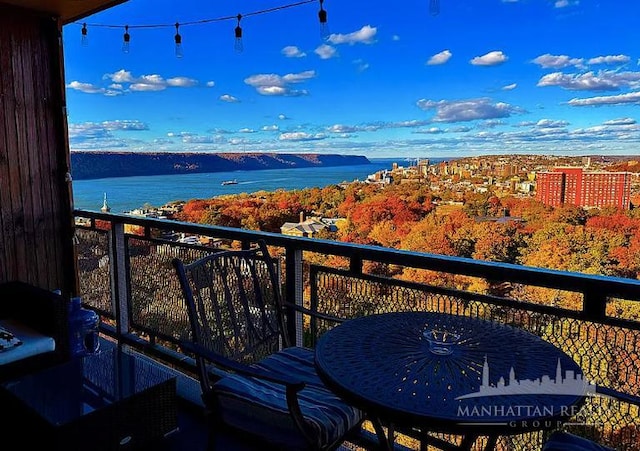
574	186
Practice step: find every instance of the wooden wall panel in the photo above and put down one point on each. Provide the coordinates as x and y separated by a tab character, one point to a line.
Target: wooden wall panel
35	200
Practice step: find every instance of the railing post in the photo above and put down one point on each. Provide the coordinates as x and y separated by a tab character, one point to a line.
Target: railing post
594	305
119	277
313	282
294	292
355	264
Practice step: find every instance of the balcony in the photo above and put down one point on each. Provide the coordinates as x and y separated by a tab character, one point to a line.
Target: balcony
125	274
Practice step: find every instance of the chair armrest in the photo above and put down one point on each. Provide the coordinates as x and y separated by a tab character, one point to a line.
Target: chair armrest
620	396
306	311
245	370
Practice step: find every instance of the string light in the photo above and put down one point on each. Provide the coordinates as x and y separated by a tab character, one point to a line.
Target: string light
85	39
239	46
178	39
125	39
434	7
324	27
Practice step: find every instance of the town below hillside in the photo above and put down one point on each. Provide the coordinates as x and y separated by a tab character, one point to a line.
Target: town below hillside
605	181
94	165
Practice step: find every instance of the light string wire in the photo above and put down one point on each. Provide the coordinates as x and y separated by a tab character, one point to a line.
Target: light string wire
198	22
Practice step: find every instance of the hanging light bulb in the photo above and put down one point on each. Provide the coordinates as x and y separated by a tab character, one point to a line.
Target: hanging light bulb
85	39
239	47
178	39
324	27
125	39
434	7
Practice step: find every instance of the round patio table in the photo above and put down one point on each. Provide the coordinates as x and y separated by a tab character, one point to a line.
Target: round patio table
496	380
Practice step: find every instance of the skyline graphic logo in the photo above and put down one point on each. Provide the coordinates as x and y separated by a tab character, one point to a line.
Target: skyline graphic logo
570	383
540	408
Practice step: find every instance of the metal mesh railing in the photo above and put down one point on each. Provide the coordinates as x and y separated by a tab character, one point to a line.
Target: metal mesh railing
608	355
94	272
157	306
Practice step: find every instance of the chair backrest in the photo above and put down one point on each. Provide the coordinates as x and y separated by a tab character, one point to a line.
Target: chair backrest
234	304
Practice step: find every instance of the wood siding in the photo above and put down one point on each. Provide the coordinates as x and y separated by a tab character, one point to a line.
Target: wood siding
35	200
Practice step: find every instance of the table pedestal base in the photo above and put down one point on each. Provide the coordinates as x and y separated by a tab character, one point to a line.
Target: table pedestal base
387	439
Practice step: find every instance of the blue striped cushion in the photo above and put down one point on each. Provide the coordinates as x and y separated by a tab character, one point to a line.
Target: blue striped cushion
260	407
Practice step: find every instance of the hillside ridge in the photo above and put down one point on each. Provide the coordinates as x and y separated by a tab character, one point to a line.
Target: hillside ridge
94	165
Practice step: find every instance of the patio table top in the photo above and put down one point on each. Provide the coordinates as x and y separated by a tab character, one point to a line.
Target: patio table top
498	379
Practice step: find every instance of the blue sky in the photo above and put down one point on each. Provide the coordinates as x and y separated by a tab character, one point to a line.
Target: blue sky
388	78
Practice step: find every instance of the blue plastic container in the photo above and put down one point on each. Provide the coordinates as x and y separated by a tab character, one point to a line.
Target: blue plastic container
83	329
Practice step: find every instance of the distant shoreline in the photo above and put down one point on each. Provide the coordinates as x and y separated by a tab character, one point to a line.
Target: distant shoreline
100	165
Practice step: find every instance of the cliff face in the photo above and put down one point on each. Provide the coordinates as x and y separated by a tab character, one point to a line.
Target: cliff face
93	165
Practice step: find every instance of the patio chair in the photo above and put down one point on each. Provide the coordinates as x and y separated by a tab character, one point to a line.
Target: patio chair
34	329
252	379
566	441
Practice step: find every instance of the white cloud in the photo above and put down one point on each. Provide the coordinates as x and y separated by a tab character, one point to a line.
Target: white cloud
272	90
282	117
302	136
325	51
605	130
490	59
246	130
121	76
341	128
99	135
439	58
291	51
622	99
277	80
277	85
238	141
270	128
548	123
361	65
280	91
548	61
299	77
590	81
93	129
365	35
196	139
564	3
610	59
491	123
180	134
211	84
182	82
87	88
468	110
229	98
460	129
152	82
430	131
147	87
403	124
510	87
621	121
